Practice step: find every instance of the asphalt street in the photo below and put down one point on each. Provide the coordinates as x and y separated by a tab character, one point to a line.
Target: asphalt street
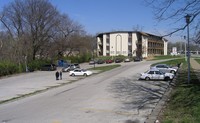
115	96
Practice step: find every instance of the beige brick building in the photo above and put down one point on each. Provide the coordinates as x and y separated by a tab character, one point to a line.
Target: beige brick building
130	43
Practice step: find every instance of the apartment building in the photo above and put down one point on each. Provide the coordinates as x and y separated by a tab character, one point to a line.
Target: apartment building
130	43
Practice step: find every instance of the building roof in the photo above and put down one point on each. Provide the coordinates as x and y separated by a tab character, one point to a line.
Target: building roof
140	32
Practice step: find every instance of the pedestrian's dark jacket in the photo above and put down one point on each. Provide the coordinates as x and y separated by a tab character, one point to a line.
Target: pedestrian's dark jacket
57	74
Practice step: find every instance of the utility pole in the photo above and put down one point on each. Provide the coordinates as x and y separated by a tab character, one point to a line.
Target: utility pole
187	18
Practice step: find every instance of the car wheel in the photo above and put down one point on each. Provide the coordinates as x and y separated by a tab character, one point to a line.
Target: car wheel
167	78
73	74
85	74
147	78
172	71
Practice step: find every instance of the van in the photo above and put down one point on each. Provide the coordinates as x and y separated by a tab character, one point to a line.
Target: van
48	67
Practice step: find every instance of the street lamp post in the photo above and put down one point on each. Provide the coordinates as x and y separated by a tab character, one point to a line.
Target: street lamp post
187	18
185	48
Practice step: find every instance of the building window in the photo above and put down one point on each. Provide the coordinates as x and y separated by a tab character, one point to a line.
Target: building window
112	52
124	52
107	36
108	42
118	52
108	48
130	38
129	35
129	41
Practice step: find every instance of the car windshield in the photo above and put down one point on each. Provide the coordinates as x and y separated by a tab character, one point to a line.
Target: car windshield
151	72
159	72
165	66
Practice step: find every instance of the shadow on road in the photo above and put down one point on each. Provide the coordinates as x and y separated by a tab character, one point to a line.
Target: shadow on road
138	95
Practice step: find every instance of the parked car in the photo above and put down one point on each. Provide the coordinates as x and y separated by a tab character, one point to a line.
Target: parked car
91	62
109	61
100	61
155	74
127	60
76	65
70	67
165	68
48	67
67	69
137	59
118	60
80	72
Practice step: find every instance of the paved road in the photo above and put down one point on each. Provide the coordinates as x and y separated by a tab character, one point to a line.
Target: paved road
114	96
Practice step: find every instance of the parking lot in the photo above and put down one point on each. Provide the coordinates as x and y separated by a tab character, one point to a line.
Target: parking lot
28	83
112	96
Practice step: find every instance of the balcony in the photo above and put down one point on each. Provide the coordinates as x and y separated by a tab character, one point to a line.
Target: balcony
100	43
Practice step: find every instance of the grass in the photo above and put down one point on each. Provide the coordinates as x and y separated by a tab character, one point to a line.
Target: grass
173	62
184	104
165	57
106	68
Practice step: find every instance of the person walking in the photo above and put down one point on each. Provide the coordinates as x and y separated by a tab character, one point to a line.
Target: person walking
60	75
57	75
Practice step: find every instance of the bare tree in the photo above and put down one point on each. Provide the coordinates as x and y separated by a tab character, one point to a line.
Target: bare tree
12	20
137	28
41	19
6	48
68	35
30	24
36	29
197	38
176	10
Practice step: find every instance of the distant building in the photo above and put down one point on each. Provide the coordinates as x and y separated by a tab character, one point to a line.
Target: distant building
130	43
174	51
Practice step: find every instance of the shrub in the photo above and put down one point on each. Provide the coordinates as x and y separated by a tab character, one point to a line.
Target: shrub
37	64
80	59
7	68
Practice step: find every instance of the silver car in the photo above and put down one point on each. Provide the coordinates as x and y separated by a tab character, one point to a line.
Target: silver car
155	74
70	67
165	68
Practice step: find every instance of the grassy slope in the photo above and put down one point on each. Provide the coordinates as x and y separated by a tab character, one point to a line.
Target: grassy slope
184	104
106	68
165	57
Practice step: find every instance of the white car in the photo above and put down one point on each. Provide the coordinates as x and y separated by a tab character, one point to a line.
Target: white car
80	72
127	60
165	68
155	74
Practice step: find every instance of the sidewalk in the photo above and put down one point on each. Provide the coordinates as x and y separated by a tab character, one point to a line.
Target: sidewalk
195	65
